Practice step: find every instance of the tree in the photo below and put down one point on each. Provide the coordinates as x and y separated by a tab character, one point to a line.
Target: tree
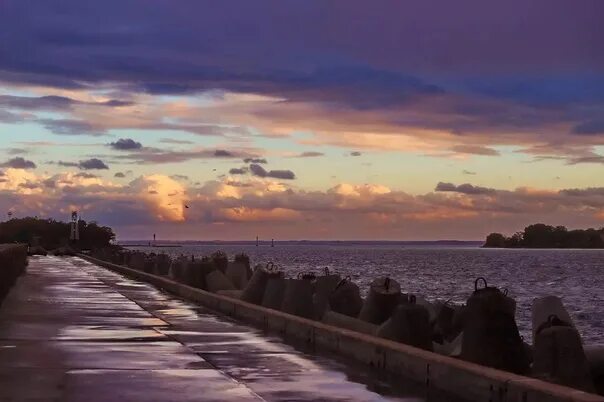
52	234
540	235
496	240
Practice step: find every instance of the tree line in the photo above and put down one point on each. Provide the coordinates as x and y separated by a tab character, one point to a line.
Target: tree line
545	236
52	234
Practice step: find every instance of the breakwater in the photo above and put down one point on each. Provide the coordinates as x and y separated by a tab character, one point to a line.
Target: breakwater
13	260
448	273
393	327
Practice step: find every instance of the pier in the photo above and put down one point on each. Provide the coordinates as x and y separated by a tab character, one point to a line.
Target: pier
81	328
71	330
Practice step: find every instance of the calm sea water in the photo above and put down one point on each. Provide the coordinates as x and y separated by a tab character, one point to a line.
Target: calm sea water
448	272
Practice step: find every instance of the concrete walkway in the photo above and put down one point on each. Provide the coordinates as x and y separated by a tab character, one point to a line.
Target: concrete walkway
73	331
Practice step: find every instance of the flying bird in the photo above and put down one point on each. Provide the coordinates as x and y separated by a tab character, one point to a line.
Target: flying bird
186	206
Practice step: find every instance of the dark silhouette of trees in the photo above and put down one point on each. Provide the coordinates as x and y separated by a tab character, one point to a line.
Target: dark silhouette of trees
545	236
51	234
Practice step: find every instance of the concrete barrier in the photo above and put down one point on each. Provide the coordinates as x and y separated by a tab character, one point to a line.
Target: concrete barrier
384	296
470	381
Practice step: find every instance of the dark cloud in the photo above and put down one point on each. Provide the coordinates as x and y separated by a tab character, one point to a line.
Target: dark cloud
19	163
221	153
465	188
175	141
16	151
148	155
85	175
181	177
304	53
580	192
593	158
68	164
309	154
29	185
255	160
242	170
171	52
71	127
125	144
8	117
474	150
259	171
355	153
93	164
51	102
119	175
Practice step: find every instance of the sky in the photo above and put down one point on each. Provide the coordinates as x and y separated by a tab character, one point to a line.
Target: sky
381	120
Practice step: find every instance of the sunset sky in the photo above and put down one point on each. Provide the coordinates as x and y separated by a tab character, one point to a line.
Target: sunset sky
407	120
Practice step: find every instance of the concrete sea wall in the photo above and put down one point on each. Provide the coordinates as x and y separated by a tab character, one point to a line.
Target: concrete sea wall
467	380
13	260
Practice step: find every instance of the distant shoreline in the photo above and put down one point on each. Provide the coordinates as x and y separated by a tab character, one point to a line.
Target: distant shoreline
168	243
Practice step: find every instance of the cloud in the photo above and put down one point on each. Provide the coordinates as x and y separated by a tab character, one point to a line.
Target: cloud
309	154
148	155
119	175
232	209
16	151
68	164
221	153
19	163
126	144
355	153
591	158
579	192
52	102
358	96
238	171
465	188
180	177
71	127
175	141
474	150
164	195
255	160
86	175
93	164
259	171
468	172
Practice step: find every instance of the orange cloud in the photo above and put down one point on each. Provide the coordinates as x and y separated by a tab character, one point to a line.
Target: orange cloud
165	196
245	214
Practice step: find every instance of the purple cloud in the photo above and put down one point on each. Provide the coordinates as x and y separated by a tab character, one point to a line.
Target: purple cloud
19	163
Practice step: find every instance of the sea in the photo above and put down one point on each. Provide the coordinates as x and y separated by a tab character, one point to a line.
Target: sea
439	271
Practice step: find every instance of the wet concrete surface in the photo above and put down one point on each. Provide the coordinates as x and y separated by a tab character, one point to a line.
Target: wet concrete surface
73	331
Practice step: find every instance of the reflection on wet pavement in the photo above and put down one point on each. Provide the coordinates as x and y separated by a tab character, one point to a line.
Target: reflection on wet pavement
73	331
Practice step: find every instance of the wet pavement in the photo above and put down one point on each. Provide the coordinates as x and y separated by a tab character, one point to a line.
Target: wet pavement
73	331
